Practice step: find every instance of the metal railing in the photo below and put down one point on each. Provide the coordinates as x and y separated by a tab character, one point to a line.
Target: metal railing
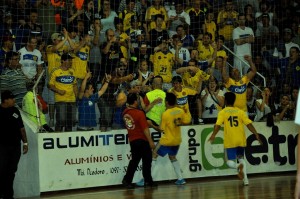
264	79
34	89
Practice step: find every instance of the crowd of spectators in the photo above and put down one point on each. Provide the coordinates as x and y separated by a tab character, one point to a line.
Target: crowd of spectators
98	53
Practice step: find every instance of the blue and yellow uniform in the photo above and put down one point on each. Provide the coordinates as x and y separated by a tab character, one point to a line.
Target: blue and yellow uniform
240	90
234	120
182	100
171	119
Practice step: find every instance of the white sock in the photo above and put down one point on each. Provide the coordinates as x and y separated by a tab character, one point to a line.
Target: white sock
177	169
231	164
242	161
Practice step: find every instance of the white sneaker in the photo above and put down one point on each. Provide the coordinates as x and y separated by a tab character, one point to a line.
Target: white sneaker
246	182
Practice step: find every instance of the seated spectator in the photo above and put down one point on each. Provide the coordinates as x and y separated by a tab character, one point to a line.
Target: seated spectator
13	78
86	102
251	103
264	105
285	110
213	101
29	107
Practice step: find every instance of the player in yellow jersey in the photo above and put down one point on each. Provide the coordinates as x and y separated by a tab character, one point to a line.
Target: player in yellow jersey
238	84
169	143
234	120
182	93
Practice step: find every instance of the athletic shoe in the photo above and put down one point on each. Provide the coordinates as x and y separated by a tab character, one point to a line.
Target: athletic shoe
240	170
127	185
180	182
140	183
150	184
246	182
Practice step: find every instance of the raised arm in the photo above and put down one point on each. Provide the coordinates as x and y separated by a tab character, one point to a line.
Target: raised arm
225	76
83	84
253	70
105	85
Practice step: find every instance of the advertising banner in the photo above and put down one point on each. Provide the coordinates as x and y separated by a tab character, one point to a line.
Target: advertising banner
91	159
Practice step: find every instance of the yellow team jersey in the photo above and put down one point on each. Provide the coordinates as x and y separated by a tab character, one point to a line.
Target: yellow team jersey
63	80
162	65
193	81
150	15
182	99
234	120
220	53
227	29
80	62
53	58
169	124
211	28
240	90
124	50
126	17
205	53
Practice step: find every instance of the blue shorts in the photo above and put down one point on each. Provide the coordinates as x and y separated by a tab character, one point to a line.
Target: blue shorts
164	150
234	153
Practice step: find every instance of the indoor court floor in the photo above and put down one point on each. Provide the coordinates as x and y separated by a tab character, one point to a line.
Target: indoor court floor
269	186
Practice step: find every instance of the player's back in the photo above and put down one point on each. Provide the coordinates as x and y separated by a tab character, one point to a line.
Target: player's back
234	120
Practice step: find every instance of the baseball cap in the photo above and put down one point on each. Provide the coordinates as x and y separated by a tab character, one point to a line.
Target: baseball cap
7	94
66	56
288	30
55	36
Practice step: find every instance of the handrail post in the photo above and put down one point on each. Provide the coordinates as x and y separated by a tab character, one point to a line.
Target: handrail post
35	99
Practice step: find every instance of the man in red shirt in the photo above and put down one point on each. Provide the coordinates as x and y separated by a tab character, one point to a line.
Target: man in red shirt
140	140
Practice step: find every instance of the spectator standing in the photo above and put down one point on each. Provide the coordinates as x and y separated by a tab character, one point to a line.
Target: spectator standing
197	17
126	15
86	102
238	84
13	78
63	84
213	101
10	146
107	16
156	8
178	17
243	37
31	59
156	35
186	39
226	20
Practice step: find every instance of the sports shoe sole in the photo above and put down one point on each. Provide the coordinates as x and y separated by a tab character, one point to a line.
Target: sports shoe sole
241	173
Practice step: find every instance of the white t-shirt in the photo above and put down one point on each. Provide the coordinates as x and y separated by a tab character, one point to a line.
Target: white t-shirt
183	54
239	33
210	106
297	118
175	23
29	61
